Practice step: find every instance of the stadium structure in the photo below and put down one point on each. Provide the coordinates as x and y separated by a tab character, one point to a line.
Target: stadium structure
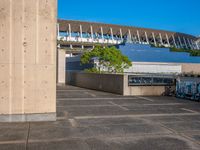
78	34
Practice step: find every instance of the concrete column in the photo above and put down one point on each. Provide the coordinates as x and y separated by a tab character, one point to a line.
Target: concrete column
138	34
70	31
121	35
111	31
102	33
28	60
189	43
147	39
81	32
61	66
185	42
181	45
174	41
161	40
92	35
167	37
129	40
58	30
197	46
154	39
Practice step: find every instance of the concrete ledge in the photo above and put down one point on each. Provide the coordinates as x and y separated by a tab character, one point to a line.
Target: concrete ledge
28	117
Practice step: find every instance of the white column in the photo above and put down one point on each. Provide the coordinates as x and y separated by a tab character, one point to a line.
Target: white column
154	39
61	66
161	40
121	35
81	32
181	45
189	43
197	46
174	41
129	36
111	31
102	33
70	31
147	39
185	42
92	36
58	30
168	40
138	34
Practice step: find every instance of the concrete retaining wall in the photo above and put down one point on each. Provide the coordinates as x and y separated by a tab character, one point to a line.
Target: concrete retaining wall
112	83
103	82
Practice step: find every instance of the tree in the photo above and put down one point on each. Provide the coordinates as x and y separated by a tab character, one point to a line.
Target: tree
108	57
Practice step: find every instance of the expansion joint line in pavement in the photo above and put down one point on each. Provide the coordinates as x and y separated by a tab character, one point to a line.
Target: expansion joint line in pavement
189	138
135	116
27	138
122	107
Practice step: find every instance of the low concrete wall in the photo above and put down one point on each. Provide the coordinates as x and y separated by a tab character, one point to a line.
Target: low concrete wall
104	82
113	83
145	90
191	68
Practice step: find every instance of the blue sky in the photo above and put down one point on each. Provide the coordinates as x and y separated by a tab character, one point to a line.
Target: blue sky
174	15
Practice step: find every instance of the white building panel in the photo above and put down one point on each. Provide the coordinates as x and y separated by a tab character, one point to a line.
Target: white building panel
148	67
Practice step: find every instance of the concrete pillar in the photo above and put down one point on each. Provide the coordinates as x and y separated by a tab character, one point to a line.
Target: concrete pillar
181	45
58	30
121	35
70	31
129	39
111	31
138	34
154	39
147	39
189	43
185	43
192	44
167	37
161	40
81	32
102	33
28	60
61	66
174	41
92	34
197	46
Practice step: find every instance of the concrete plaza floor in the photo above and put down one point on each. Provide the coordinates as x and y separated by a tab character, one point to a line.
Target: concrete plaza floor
92	120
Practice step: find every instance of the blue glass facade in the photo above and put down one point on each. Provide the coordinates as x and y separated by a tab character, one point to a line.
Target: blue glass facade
146	53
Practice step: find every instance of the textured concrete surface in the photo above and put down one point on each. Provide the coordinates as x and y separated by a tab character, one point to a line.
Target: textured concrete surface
92	120
27	56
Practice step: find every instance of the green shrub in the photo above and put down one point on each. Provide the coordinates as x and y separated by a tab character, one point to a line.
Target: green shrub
192	52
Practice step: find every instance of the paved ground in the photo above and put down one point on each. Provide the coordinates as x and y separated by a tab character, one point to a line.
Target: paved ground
91	120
